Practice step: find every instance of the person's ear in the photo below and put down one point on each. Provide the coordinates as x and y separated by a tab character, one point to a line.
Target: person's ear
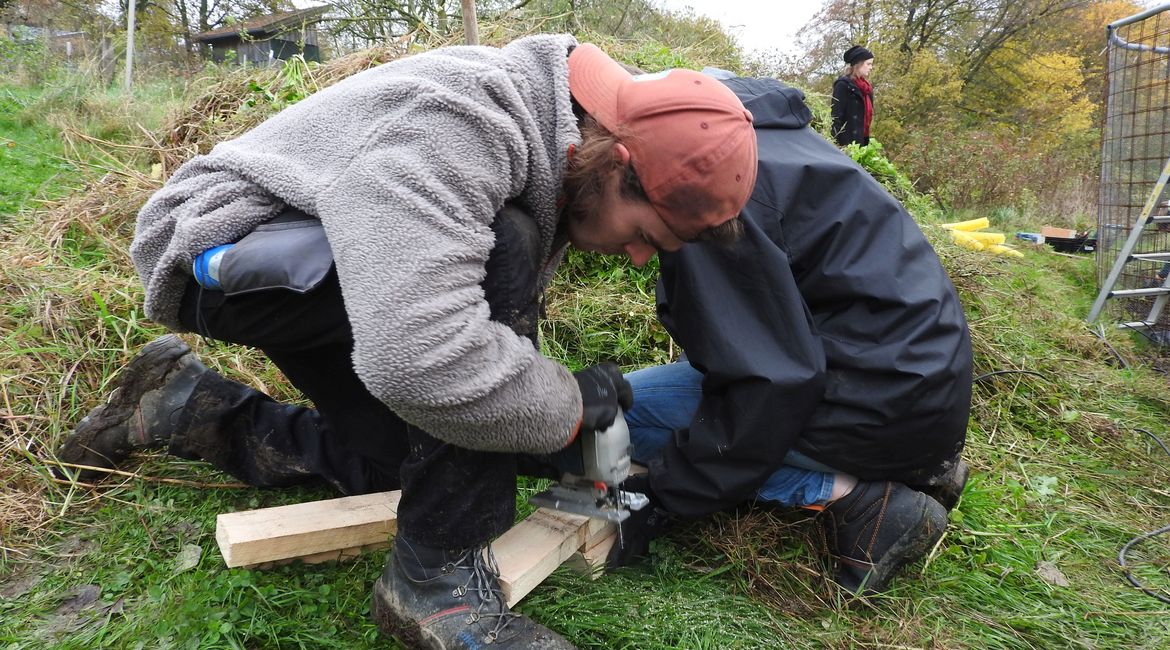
621	155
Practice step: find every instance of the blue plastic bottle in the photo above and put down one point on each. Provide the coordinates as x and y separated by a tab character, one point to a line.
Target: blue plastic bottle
205	268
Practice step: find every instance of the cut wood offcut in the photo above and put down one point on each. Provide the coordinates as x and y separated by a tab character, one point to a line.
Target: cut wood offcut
307	531
336	529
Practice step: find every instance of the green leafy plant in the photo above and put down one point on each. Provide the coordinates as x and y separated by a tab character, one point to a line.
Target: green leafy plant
873	159
293	83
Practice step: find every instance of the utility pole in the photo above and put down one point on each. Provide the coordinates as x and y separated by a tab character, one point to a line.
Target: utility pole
132	5
470	29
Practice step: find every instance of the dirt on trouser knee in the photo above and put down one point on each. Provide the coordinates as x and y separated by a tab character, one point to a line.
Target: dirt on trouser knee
215	428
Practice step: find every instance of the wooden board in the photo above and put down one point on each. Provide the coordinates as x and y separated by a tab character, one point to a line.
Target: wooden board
338	529
535	547
339	555
307	530
590	561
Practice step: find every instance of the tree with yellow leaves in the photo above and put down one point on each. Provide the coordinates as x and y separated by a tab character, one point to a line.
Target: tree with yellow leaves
985	102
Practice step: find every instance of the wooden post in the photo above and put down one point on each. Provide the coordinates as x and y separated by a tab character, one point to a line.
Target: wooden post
132	5
470	27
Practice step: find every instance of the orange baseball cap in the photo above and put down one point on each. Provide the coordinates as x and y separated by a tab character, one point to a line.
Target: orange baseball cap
690	139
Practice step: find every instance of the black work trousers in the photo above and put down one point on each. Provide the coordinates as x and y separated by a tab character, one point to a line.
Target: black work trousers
451	497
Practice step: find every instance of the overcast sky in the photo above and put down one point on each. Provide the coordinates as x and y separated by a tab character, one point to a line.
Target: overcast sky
758	24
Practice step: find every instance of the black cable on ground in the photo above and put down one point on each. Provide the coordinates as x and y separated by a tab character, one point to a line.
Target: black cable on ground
1140	538
1157	440
1144	536
1142	331
1101	335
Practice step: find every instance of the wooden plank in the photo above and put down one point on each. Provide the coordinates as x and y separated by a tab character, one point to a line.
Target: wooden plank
535	547
303	530
339	555
590	560
340	529
599	530
1066	233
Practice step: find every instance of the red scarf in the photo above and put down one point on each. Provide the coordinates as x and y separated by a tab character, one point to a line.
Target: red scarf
867	96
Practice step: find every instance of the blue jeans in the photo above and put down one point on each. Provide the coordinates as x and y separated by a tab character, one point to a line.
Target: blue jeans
666	398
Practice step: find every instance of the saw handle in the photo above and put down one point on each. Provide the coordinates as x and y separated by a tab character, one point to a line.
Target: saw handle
604	394
596	456
606	454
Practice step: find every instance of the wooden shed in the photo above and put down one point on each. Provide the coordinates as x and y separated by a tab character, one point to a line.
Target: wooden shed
263	40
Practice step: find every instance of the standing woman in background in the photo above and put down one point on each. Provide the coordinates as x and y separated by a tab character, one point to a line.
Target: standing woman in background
853	98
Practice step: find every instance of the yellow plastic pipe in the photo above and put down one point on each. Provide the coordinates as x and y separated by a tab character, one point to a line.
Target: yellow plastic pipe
1000	249
988	237
965	240
969	225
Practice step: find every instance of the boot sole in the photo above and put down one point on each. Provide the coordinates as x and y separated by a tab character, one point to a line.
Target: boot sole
911	546
144	372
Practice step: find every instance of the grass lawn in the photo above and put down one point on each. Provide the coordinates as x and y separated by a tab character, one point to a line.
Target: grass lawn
31	162
1063	477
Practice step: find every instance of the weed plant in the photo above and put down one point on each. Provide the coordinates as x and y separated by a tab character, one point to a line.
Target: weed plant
1061	480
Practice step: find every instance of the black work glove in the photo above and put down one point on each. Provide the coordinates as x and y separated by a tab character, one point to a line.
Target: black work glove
603	391
642	527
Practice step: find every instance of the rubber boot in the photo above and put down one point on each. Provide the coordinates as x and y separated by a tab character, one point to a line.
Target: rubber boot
437	599
877	529
141	412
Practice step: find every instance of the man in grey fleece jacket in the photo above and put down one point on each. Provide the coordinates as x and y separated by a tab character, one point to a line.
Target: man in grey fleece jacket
386	243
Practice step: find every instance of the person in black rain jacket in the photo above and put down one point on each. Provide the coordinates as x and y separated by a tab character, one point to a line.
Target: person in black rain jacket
827	361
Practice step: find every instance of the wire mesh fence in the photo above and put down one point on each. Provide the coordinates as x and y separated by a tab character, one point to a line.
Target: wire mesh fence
1135	148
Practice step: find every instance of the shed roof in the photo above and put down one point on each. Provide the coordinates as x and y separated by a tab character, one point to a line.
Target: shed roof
263	26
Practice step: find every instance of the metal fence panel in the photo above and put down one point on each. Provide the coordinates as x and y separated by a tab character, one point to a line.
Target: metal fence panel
1135	145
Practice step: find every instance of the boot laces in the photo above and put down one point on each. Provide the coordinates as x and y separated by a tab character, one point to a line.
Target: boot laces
485	573
483	579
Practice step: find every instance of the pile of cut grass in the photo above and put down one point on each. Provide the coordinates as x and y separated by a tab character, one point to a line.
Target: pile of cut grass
1061	477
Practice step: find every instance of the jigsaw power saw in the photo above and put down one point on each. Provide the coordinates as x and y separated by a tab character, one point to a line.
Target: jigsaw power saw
590	487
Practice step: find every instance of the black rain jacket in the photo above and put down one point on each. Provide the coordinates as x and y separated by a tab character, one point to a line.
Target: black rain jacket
830	327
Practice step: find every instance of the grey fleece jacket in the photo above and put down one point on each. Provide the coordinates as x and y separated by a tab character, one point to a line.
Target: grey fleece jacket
406	165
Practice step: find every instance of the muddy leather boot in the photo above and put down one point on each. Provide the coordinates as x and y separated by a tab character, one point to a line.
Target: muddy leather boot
142	410
877	529
949	486
436	599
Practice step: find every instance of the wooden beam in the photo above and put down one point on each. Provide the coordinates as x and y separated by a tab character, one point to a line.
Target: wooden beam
307	530
339	555
339	529
535	547
590	560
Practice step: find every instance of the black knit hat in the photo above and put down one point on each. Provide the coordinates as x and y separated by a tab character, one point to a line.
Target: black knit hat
856	54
